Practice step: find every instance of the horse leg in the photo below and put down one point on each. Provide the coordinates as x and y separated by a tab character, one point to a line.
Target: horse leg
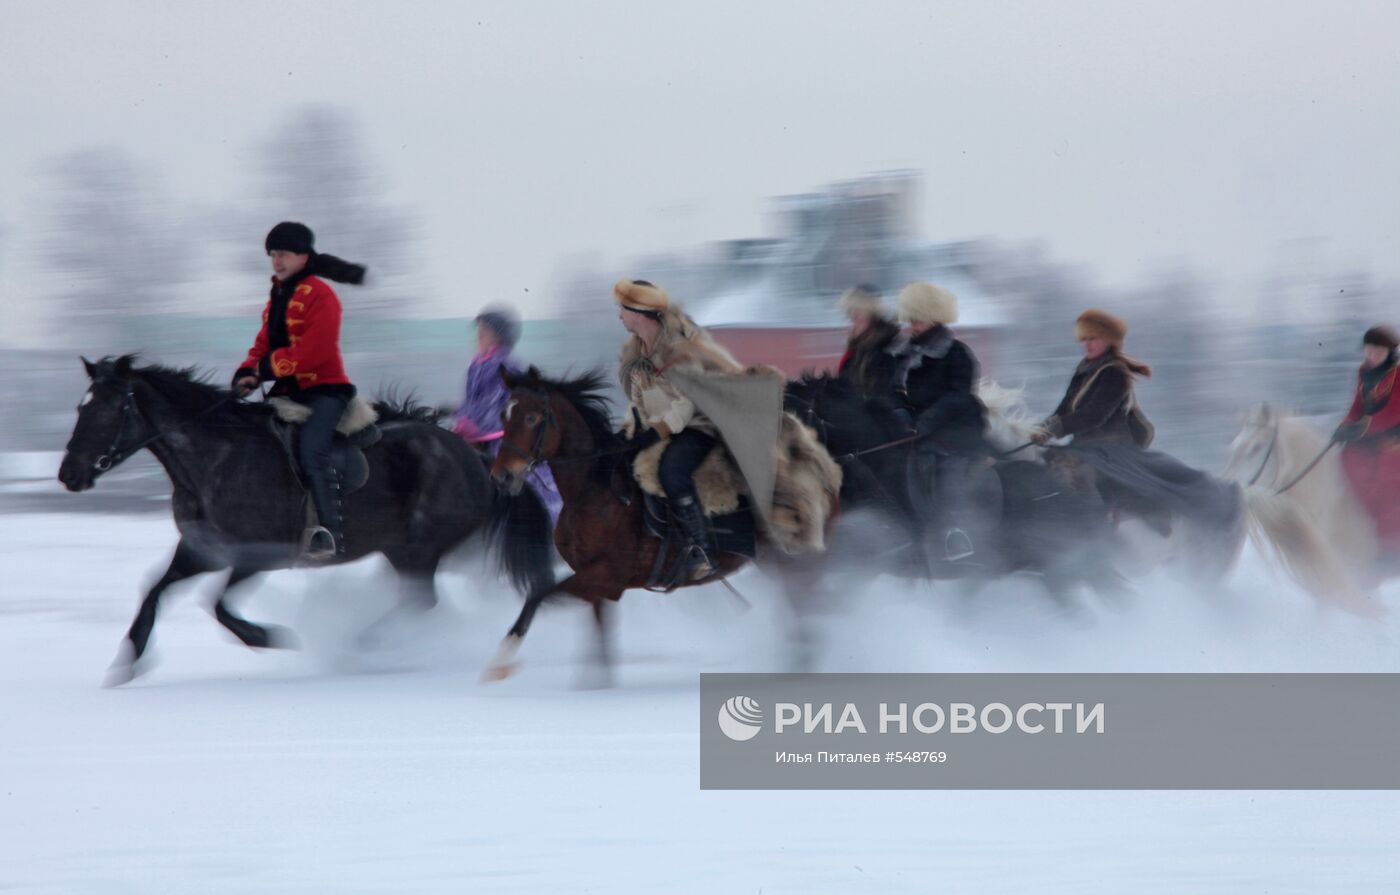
1060	585
186	563
253	635
801	581
417	594
598	674
503	664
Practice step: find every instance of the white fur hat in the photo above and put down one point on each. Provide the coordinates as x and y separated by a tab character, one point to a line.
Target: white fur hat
927	303
865	299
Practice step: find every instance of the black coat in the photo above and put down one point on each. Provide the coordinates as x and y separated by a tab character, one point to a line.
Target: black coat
1099	406
932	377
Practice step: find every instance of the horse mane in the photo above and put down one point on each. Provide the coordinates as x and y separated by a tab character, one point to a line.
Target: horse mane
190	392
187	389
587	394
406	409
1010	423
812	385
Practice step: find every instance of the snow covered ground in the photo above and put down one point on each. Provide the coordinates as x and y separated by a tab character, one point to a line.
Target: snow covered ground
226	770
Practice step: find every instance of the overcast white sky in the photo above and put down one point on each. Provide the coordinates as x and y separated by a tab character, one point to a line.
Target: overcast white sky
1123	134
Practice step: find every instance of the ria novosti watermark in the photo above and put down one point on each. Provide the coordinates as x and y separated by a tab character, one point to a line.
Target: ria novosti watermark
1004	731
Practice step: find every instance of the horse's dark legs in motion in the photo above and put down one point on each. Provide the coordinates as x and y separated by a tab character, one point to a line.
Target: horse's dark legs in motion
598	675
253	635
503	664
417	591
186	563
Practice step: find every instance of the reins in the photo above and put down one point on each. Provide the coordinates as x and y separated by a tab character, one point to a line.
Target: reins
1309	468
113	456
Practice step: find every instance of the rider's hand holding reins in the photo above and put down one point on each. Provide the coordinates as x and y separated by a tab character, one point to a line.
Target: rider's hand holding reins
243	386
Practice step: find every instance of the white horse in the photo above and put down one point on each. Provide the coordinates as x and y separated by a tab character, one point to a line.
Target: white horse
1316	527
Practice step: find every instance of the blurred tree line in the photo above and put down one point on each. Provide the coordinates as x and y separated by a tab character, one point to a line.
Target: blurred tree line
117	248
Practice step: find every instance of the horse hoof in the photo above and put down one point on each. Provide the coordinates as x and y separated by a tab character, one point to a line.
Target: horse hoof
282	638
124	668
120	673
497	673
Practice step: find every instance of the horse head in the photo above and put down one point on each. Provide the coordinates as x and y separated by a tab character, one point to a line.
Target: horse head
844	418
545	419
1256	445
109	424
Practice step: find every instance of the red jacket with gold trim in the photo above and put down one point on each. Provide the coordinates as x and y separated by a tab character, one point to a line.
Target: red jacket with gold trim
1377	407
313	329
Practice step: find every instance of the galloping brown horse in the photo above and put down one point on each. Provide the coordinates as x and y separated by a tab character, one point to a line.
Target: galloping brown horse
601	531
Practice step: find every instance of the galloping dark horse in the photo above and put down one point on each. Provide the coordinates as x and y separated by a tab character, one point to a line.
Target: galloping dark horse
601	531
1028	522
238	505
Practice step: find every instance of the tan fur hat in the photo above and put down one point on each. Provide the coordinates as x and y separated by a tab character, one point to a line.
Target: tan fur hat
927	303
1096	324
865	299
639	295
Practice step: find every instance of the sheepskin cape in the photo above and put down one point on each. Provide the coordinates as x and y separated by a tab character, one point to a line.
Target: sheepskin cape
777	462
359	414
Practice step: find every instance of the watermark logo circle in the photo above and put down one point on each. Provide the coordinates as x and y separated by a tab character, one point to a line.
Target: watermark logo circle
740	718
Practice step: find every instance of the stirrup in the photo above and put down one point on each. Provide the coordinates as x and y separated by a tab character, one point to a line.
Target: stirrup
318	544
697	563
956	545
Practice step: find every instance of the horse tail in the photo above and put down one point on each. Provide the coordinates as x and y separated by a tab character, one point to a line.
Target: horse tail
1277	525
519	528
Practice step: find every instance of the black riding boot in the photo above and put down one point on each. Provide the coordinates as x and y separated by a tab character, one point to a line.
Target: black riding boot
695	553
327	540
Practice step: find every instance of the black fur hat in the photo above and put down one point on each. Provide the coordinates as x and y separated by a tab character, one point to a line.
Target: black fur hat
289	236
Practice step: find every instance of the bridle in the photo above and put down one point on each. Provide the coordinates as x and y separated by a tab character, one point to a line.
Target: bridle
116	454
540	431
112	456
809	415
1273	442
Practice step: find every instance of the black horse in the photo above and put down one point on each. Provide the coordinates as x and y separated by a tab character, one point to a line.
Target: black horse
238	504
1025	520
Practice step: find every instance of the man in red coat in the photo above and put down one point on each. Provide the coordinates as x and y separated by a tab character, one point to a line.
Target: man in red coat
298	347
1371	432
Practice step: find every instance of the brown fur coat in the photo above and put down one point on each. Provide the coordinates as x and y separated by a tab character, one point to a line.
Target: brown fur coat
808	481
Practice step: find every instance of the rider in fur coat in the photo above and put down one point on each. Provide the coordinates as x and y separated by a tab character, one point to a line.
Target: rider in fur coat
1099	407
663	340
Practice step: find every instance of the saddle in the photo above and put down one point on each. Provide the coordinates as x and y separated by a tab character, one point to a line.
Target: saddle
355	432
732	532
718	484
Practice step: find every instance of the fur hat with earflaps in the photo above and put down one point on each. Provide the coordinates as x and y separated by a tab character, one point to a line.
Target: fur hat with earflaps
862	299
640	296
927	303
1096	324
1381	335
